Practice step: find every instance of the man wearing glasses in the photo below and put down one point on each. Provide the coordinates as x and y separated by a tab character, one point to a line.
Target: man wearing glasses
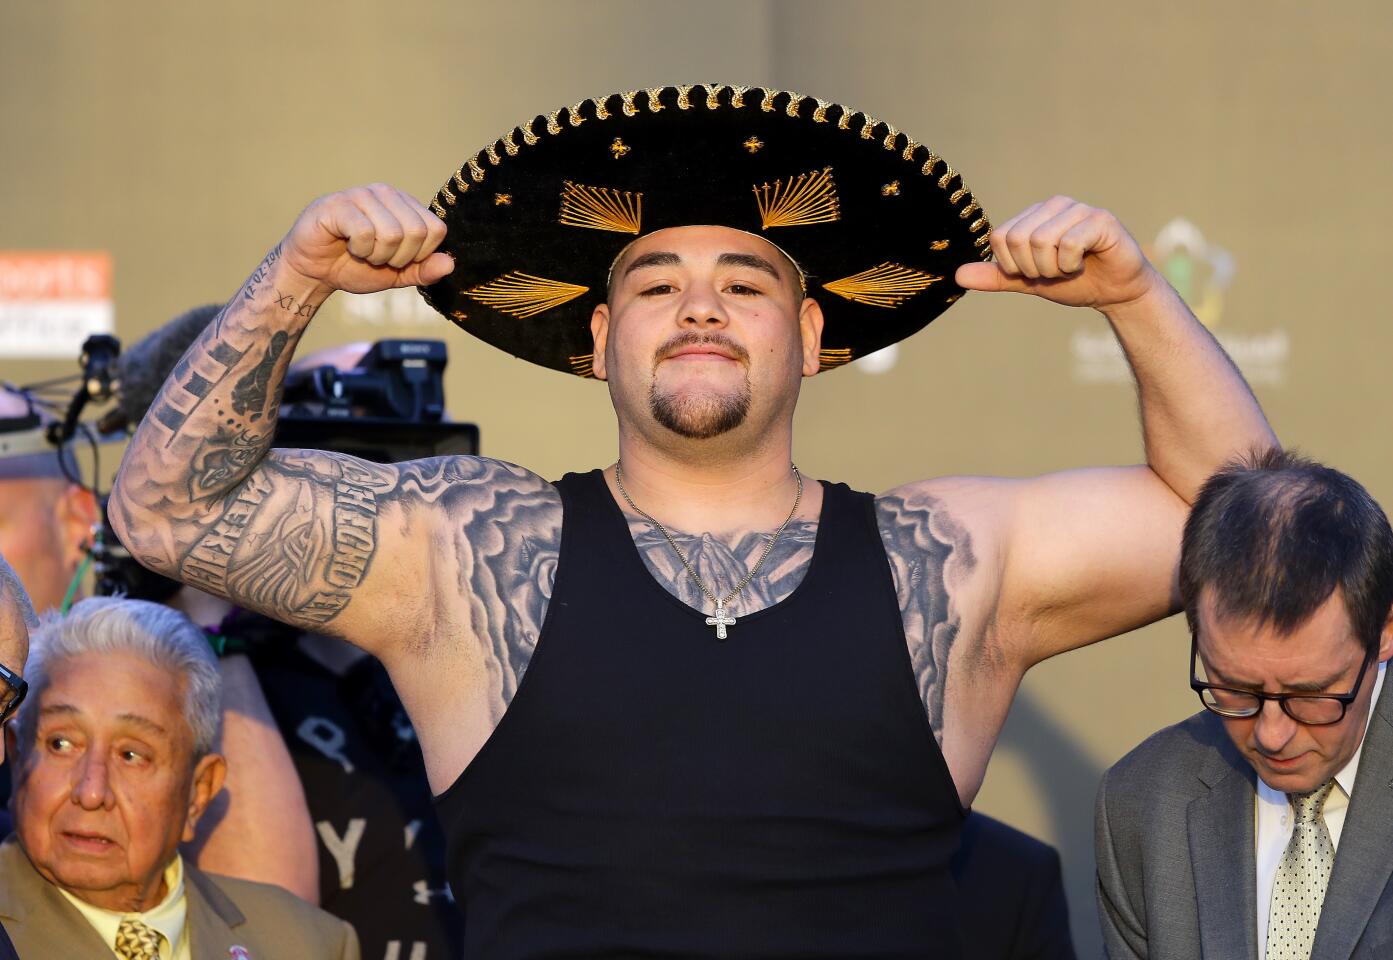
16	620
1262	827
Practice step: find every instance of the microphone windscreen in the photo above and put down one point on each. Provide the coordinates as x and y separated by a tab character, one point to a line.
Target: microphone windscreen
144	368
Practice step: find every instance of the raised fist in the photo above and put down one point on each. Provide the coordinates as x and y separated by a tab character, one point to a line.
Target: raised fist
367	239
1067	252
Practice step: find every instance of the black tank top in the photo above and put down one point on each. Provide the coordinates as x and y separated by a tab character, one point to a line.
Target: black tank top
652	791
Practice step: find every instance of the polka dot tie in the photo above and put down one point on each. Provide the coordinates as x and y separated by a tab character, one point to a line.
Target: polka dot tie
1302	875
136	941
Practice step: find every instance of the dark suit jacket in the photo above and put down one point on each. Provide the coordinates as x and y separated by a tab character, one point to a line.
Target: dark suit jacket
266	921
1011	893
1174	838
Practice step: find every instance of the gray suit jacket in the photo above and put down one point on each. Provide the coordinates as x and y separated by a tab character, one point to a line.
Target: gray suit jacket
266	921
1174	838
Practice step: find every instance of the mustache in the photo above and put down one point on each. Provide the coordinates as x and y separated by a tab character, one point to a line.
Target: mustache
682	341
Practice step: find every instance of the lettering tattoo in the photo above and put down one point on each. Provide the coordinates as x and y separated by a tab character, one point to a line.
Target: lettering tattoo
260	274
296	307
929	554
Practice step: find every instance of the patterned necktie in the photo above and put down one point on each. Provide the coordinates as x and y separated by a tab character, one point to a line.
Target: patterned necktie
1302	875
136	941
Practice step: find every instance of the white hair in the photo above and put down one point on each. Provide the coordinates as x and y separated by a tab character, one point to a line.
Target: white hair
158	634
12	591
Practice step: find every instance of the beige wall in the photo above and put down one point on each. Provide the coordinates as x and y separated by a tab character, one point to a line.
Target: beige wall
184	137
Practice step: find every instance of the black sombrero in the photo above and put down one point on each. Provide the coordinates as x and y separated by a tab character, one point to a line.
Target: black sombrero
877	221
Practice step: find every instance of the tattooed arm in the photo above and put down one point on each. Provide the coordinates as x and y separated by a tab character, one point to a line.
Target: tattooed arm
996	575
299	535
1089	554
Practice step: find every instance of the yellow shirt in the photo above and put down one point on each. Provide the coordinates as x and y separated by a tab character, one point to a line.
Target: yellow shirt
168	917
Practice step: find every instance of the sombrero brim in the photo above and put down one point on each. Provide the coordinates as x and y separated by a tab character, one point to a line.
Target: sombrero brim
878	222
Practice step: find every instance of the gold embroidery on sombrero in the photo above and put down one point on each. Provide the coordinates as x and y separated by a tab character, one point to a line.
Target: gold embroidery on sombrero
834	357
820	114
575	118
737	97
713	95
448	194
528	137
939	245
654	103
509	145
600	208
891	189
523	295
753	144
683	103
887	285
601	111
437	209
583	365
628	97
795	100
798	201
619	148
476	172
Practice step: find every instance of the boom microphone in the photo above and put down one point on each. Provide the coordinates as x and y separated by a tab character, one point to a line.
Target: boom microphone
143	369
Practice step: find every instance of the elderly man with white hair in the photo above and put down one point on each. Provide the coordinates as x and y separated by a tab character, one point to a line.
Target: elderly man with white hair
114	766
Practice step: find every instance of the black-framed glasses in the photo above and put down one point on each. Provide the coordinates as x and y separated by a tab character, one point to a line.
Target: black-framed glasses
1312	709
12	691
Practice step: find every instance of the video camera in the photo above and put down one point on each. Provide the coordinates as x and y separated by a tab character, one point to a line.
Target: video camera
388	408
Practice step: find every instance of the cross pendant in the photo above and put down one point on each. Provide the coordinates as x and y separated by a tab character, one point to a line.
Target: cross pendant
721	620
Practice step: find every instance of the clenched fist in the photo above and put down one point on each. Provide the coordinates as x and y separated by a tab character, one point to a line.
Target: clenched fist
1067	252
367	239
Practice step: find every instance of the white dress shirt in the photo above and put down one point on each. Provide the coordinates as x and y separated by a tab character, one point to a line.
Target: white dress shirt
1273	821
168	917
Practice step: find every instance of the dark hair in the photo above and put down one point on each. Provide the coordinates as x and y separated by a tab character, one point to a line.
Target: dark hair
1274	534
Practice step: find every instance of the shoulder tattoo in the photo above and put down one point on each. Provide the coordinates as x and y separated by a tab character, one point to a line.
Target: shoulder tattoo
930	554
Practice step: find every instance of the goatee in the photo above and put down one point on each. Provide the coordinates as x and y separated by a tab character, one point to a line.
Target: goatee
700	417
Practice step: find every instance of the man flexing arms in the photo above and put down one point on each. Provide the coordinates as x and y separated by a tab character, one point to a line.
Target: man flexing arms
656	788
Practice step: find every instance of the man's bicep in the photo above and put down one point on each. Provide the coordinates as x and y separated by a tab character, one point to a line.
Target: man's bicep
335	544
1089	554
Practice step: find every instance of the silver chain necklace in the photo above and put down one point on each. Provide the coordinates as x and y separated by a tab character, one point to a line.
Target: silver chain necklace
721	619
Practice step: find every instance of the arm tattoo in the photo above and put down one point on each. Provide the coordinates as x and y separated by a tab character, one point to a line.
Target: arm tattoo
930	554
509	528
249	394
